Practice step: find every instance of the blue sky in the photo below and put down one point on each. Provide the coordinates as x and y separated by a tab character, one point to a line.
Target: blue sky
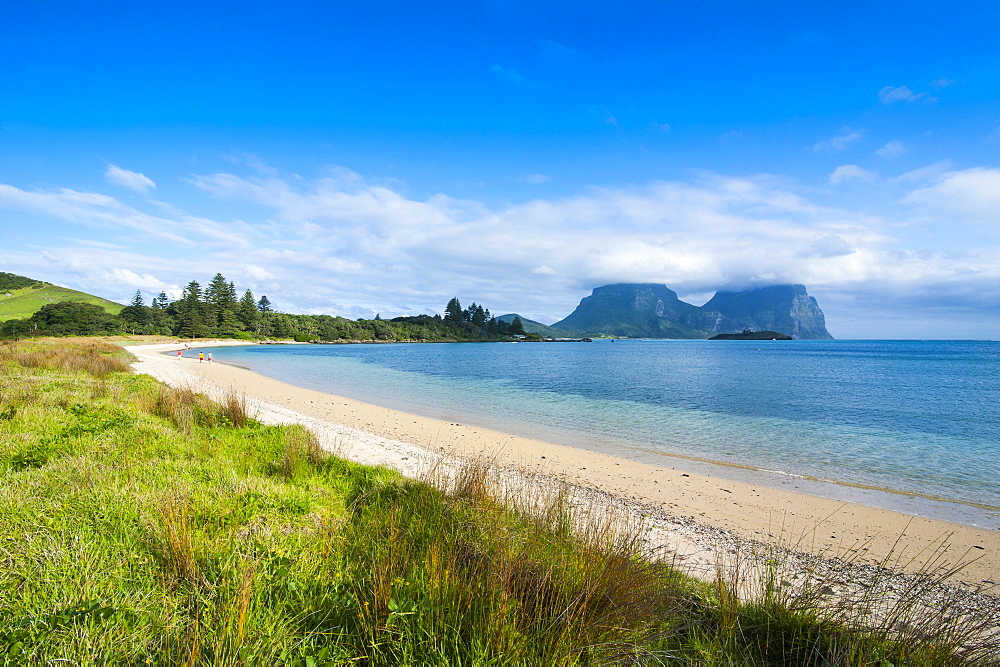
360	157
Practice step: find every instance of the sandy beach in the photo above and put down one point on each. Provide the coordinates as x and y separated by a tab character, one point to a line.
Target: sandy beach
697	517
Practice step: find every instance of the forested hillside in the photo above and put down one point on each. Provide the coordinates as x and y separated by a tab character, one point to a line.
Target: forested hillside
218	310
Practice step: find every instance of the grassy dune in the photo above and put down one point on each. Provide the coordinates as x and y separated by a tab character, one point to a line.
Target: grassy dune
24	302
141	524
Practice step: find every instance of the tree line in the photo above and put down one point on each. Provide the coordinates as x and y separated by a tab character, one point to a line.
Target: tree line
218	311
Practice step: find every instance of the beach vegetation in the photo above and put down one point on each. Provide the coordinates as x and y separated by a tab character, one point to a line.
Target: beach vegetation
145	524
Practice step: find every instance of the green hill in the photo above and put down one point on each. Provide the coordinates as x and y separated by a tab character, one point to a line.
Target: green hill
22	297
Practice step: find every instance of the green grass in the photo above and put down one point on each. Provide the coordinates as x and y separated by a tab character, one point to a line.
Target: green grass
141	524
24	302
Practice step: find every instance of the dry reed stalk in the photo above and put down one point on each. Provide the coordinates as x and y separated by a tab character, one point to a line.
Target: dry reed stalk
231	615
176	540
234	408
244	596
177	405
472	481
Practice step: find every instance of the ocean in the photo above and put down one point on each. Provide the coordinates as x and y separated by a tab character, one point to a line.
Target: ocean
907	425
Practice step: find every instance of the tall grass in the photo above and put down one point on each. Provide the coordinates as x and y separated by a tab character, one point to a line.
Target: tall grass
234	409
95	358
302	450
153	526
185	409
174	542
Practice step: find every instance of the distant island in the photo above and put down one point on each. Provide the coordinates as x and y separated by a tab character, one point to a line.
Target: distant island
647	310
752	335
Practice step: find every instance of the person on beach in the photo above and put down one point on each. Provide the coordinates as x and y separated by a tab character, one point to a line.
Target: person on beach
209	357
178	354
201	357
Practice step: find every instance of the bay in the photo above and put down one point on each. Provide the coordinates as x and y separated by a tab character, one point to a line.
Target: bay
911	425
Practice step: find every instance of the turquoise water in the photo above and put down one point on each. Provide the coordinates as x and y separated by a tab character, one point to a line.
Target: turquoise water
916	417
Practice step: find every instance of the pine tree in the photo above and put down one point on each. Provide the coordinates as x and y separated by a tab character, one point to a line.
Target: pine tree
248	314
266	311
453	311
191	312
517	327
136	314
191	293
220	299
478	318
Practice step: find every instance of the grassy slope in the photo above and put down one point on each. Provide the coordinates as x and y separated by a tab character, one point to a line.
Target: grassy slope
141	524
21	303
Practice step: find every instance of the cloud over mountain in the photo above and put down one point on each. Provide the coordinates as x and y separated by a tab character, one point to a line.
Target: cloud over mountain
346	240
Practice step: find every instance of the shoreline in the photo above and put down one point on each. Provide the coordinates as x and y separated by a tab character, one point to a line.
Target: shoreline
700	507
691	450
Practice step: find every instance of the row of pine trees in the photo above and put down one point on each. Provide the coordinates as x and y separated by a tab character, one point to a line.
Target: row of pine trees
212	311
480	318
217	310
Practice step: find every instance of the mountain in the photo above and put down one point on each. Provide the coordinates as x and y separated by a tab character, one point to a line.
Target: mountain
21	297
785	308
633	311
654	311
531	326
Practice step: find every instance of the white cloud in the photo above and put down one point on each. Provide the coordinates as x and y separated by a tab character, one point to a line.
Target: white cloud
892	149
839	142
943	83
132	180
537	179
252	161
102	211
653	233
830	245
258	273
923	174
850	171
662	127
342	244
893	94
970	194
